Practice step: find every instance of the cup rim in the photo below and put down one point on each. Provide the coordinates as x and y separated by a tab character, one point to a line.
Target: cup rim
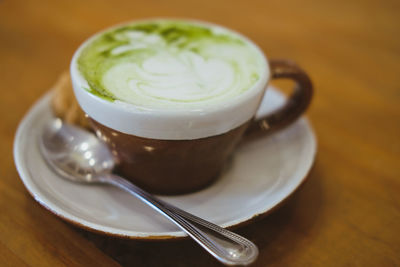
148	118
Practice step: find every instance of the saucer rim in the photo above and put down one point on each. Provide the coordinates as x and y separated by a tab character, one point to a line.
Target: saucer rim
29	184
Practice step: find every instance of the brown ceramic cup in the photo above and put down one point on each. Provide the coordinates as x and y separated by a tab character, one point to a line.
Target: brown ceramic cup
161	159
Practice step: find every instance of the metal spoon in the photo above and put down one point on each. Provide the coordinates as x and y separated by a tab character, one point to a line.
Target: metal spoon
79	156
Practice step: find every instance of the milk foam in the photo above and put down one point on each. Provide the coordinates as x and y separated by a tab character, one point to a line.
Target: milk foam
170	65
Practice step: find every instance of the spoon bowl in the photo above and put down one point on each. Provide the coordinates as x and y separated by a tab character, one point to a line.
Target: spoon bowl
74	153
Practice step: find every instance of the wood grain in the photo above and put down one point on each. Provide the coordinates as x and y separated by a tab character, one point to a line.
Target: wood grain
346	214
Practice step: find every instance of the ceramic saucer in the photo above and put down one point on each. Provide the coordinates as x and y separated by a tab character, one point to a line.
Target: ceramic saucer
263	173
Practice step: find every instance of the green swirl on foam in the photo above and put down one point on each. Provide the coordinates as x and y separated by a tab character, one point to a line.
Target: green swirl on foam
143	63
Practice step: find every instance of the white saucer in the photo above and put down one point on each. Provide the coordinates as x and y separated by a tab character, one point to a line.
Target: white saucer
263	173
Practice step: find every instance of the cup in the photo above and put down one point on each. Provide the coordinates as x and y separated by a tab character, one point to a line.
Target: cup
176	152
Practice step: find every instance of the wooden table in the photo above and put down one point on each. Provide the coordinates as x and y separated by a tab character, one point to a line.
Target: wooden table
346	214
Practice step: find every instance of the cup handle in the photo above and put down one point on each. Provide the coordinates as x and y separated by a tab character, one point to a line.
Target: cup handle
295	105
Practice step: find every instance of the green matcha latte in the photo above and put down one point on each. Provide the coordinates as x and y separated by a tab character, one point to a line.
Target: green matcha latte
168	64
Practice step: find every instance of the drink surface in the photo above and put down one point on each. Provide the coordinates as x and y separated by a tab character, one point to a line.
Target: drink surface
165	64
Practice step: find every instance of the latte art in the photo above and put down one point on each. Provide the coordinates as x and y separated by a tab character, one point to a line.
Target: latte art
170	65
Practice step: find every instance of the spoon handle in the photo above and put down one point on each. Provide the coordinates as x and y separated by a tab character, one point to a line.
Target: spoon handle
226	246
